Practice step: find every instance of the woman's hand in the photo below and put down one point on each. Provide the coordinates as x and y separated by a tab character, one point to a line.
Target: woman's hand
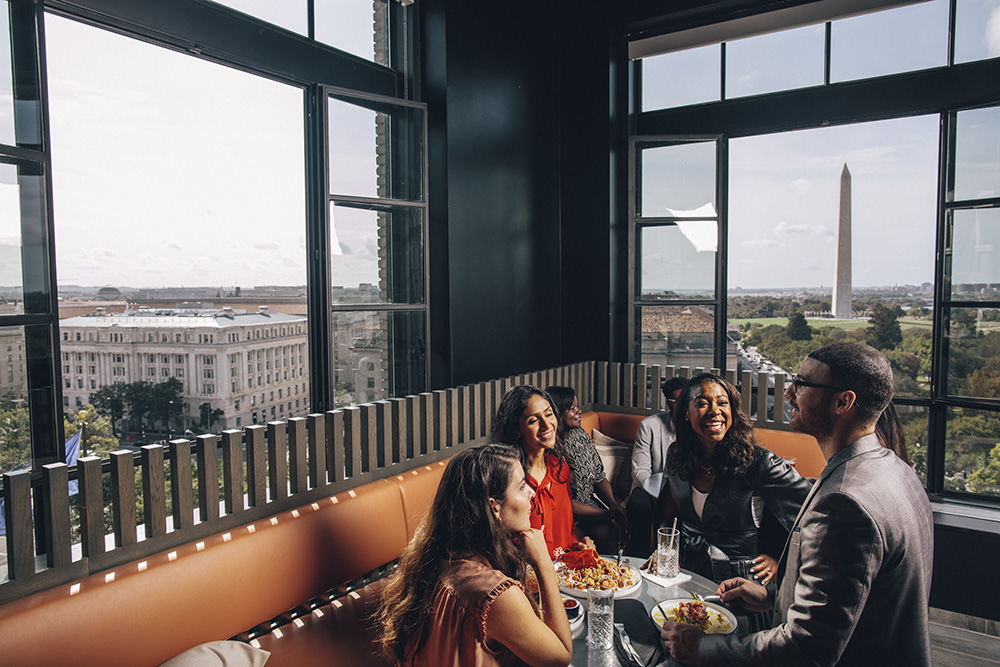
586	543
535	549
765	569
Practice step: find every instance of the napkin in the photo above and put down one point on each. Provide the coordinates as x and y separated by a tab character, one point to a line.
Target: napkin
666	582
641	630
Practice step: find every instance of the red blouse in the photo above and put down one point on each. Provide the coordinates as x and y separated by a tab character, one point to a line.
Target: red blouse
552	506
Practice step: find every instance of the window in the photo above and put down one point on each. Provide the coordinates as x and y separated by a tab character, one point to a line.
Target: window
735	219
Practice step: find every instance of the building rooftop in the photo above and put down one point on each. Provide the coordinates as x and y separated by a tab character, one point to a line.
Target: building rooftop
180	319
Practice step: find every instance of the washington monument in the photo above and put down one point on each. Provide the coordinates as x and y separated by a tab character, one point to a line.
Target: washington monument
842	307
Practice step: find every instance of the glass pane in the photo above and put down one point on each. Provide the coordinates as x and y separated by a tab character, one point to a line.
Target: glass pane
889	42
972	458
377	355
677	335
289	14
378	255
6	80
975	261
914	421
973	344
681	78
678	261
10	241
15	428
678	181
977	30
181	244
362	135
357	27
784	215
977	154
779	61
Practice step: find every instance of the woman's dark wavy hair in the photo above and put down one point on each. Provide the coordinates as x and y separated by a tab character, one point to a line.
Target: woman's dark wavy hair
460	524
562	399
506	426
736	451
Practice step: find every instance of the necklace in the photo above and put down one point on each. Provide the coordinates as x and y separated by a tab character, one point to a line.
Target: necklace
707	469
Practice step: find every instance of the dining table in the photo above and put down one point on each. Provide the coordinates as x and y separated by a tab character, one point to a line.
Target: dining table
633	610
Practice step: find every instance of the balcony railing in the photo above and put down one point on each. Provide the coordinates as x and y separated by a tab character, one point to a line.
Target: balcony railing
134	505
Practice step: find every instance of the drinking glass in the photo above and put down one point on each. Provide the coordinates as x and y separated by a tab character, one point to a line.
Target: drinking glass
600	618
668	542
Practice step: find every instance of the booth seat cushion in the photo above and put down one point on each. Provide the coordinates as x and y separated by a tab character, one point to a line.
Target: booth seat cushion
416	490
619	426
145	612
617	459
793	446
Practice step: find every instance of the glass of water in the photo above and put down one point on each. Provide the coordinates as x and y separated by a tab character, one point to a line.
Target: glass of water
668	542
600	618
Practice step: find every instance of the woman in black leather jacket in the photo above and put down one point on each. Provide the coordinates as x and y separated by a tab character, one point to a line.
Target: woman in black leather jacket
721	485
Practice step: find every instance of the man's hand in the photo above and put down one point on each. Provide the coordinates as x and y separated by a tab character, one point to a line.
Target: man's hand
682	640
752	596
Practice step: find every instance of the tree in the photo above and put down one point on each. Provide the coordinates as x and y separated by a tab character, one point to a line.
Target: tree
109	400
166	403
208	415
986	478
798	328
138	400
883	328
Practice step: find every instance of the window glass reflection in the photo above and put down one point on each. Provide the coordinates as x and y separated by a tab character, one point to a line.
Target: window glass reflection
15	427
973	343
677	335
678	181
6	81
977	154
377	255
975	263
972	457
977	30
678	261
778	61
699	69
875	45
356	27
10	241
377	355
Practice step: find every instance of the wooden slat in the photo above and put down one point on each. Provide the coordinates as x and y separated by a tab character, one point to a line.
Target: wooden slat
643	388
684	372
316	430
277	460
398	436
628	385
154	491
615	383
414	430
746	391
181	484
475	411
123	497
55	493
731	376
17	515
232	470
91	506
779	398
761	399
335	445
383	428
297	464
426	422
452	416
369	435
352	441
207	455
464	413
655	388
440	413
601	383
256	455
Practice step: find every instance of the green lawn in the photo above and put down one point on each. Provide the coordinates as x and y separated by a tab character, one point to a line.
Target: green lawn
904	322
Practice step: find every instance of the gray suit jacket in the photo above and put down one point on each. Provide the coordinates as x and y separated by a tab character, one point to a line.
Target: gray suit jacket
649	454
856	572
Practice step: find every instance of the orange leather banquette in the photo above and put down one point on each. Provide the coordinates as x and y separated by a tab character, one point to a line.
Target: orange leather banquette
804	449
147	611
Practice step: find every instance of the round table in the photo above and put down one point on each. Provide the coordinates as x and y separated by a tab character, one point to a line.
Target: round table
648	593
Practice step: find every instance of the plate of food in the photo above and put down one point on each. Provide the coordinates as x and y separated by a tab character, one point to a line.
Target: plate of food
577	575
712	618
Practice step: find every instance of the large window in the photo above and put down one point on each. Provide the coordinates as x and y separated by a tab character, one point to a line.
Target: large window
842	213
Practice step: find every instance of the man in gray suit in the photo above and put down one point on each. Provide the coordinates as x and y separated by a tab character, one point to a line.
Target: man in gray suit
855	576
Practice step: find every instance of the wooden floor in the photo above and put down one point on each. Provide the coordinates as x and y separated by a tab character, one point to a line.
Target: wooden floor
954	647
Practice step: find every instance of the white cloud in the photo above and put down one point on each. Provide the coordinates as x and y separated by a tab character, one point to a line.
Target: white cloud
762	243
802	185
265	246
801	229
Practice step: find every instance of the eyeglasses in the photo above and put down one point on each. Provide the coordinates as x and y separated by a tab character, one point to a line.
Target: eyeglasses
798	384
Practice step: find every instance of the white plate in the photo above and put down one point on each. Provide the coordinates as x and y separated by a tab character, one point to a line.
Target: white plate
582	593
715	611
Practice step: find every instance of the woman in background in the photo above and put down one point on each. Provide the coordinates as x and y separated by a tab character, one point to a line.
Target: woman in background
458	597
595	509
527	419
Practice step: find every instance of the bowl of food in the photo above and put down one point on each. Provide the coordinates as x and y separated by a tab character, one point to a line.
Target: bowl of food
601	573
713	619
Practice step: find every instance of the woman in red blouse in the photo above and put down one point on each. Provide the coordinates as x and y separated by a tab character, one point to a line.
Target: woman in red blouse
527	419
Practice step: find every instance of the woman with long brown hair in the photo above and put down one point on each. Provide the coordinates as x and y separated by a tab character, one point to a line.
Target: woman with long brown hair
458	597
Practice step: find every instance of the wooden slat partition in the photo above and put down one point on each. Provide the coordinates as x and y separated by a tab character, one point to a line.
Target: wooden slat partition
285	464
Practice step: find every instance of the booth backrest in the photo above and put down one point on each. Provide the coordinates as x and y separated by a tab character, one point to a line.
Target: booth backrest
145	612
619	426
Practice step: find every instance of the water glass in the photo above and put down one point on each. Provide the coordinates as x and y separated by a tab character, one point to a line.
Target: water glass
668	542
600	618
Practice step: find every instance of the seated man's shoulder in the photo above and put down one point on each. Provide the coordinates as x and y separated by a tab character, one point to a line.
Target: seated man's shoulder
656	421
